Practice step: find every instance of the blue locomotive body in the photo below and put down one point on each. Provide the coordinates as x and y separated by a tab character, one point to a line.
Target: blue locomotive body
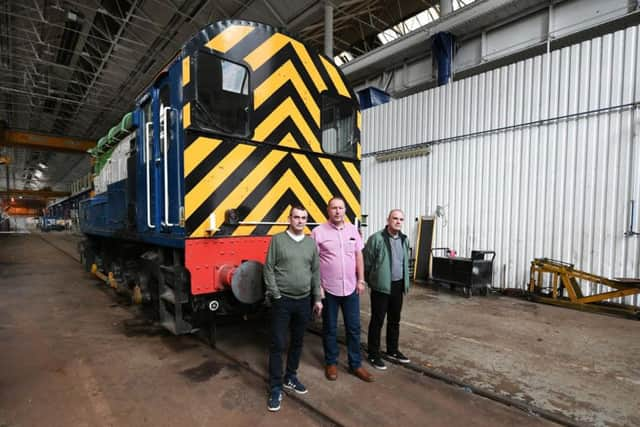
144	206
244	122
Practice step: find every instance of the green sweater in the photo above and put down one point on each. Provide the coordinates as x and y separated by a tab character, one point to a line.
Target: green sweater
292	268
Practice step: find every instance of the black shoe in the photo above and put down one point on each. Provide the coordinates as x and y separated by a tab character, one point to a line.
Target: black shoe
377	363
396	356
293	384
275	397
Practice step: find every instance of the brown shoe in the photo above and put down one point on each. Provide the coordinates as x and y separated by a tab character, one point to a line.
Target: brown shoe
331	372
363	374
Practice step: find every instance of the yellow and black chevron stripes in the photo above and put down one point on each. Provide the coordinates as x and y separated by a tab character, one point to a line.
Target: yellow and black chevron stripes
313	175
287	94
261	183
186	115
353	172
186	71
335	78
186	79
231	196
347	192
287	110
223	169
286	72
288	141
199	150
287	82
283	163
273	45
286	182
229	37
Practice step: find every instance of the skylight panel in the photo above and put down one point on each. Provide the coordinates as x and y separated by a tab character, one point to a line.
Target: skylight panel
417	21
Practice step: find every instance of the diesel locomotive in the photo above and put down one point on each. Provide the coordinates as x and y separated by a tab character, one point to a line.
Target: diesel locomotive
244	122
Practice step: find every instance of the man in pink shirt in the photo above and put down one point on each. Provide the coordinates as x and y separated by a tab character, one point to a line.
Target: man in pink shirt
342	281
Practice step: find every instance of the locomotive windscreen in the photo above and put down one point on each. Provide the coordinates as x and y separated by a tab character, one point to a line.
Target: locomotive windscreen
222	95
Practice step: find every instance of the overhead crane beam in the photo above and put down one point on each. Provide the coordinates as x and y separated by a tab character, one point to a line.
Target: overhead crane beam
43	141
43	194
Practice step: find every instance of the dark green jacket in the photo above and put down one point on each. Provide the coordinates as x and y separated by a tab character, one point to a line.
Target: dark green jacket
377	261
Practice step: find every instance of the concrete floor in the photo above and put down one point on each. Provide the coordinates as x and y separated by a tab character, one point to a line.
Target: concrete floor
72	356
584	366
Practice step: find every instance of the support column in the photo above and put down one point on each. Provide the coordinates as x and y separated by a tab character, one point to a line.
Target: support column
328	30
446	7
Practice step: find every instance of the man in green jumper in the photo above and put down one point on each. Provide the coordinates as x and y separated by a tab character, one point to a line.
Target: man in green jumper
291	275
386	263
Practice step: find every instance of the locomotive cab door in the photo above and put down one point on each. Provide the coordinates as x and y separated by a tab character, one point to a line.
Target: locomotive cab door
148	164
167	159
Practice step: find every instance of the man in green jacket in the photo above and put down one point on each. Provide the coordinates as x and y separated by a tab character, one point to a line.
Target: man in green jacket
292	278
386	262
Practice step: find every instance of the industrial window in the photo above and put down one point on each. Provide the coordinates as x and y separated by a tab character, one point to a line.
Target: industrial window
222	95
338	126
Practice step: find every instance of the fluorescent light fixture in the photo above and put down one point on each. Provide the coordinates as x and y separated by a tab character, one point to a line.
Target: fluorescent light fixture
398	154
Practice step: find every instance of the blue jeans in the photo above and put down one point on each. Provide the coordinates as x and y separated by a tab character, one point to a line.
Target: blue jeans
287	315
350	305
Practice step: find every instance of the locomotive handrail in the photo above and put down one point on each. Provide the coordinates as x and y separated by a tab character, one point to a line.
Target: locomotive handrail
165	111
179	176
146	155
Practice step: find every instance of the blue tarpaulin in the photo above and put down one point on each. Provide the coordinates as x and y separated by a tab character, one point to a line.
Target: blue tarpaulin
442	46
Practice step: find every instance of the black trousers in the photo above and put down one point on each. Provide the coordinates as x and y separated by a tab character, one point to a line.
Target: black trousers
385	305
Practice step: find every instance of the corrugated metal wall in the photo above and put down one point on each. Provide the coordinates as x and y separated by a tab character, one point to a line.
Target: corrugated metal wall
536	159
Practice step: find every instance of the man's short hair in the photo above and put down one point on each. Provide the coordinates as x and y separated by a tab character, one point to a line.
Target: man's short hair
394	210
336	198
298	207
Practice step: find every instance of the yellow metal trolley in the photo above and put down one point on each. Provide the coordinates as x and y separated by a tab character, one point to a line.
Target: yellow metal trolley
566	278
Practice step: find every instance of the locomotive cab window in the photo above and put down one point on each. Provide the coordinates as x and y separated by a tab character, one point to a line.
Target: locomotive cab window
338	126
222	95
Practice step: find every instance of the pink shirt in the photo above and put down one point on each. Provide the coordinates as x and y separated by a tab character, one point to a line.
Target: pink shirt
337	249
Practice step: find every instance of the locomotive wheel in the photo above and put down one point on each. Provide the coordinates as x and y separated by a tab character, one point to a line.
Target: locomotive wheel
87	257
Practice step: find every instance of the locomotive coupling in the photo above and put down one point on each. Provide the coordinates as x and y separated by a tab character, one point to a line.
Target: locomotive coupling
244	280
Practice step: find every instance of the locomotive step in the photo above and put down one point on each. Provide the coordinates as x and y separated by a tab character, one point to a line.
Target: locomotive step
168	296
